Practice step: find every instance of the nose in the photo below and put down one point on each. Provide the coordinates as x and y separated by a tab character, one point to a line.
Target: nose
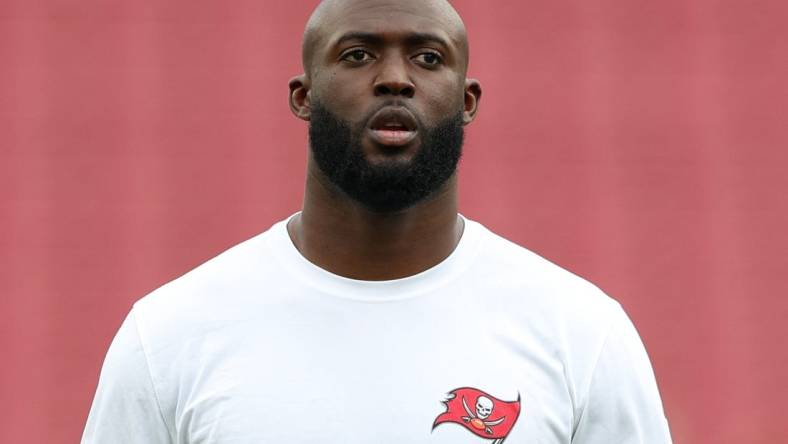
393	79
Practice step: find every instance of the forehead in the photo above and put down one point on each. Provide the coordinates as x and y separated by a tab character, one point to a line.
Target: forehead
392	19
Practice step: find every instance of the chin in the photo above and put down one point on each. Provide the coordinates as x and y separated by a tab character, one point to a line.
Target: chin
376	154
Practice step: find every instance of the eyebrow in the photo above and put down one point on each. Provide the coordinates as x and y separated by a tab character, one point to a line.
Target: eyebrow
414	38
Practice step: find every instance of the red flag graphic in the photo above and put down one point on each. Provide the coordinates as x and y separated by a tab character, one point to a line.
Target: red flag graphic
482	414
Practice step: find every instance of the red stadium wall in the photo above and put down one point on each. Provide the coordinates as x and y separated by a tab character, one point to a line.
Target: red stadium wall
641	144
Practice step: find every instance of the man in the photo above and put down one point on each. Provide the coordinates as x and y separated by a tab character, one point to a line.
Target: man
378	314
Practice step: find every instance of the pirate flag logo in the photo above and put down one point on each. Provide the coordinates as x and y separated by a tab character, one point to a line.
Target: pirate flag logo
480	413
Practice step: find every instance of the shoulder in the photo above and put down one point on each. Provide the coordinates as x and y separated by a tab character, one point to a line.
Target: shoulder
222	289
539	282
571	316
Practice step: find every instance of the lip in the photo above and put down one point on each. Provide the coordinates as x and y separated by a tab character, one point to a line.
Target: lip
382	123
392	138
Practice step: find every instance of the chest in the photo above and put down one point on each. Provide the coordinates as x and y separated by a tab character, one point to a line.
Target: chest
374	381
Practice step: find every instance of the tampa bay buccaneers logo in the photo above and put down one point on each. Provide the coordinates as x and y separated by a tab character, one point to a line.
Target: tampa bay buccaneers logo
480	413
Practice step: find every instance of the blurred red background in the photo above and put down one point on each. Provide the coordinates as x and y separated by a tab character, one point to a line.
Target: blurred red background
639	144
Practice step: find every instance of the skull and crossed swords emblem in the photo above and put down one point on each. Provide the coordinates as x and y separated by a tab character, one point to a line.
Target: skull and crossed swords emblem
484	408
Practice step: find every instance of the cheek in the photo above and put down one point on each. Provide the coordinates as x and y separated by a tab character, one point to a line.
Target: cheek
440	103
339	91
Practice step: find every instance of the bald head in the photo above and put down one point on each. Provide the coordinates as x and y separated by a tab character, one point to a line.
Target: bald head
334	16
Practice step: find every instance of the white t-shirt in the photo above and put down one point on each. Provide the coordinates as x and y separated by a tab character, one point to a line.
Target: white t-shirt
258	345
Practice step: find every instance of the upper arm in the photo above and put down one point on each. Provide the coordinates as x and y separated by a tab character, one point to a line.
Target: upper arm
623	403
126	408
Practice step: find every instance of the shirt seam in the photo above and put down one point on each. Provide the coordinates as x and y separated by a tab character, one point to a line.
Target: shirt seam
170	430
586	393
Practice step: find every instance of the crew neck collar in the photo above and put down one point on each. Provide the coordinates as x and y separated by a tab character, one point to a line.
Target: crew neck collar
404	288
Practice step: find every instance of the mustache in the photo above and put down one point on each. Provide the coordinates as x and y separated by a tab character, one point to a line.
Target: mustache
392	103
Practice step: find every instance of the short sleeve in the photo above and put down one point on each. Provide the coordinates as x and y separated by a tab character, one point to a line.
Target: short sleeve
623	405
125	409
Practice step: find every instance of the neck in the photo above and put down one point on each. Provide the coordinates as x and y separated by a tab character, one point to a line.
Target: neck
339	235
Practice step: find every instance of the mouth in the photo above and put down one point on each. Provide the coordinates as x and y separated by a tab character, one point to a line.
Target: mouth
393	126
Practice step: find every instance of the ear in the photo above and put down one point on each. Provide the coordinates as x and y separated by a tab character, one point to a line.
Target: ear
300	102
473	94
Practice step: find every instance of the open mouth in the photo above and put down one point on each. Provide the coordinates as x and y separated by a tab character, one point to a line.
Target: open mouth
394	126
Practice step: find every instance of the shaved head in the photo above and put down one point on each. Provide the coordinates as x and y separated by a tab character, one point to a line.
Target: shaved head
331	14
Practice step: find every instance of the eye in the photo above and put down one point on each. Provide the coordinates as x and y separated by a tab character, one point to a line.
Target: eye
357	56
429	58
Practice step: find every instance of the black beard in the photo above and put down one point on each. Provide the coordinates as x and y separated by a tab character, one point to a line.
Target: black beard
391	186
